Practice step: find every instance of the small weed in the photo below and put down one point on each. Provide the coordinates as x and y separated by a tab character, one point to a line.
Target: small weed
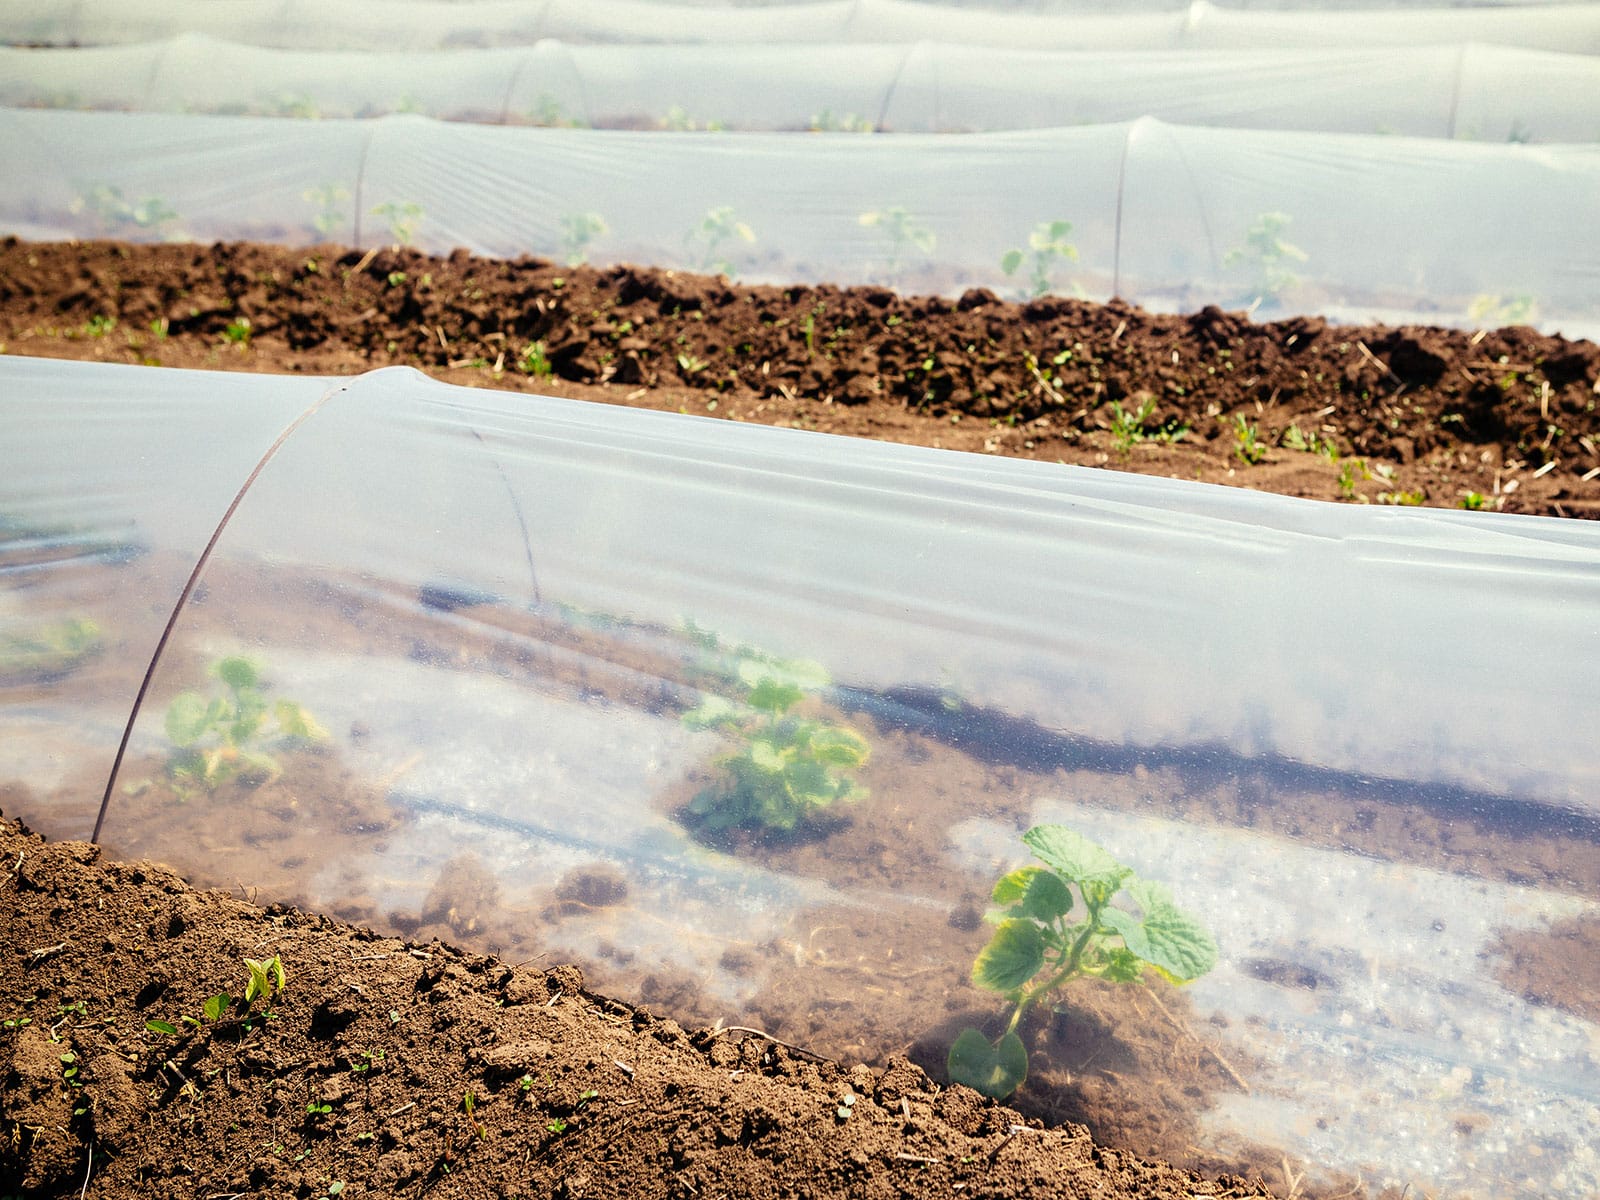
396	278
535	361
237	332
1406	498
99	326
692	365
1131	426
160	327
1473	501
1248	445
1349	471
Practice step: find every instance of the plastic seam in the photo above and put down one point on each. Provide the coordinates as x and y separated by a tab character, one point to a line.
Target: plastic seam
188	591
360	179
912	48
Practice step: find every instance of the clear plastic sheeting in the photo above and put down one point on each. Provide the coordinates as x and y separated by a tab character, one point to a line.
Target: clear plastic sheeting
108	494
480	621
1167	216
1476	92
420	25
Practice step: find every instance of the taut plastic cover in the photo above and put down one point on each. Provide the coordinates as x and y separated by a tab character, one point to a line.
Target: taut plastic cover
479	621
421	25
1172	217
1477	92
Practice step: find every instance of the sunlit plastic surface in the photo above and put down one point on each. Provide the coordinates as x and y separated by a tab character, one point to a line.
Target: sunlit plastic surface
1476	92
498	610
421	25
1173	217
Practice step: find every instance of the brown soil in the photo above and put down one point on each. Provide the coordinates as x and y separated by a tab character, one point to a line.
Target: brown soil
388	1068
1395	416
1499	419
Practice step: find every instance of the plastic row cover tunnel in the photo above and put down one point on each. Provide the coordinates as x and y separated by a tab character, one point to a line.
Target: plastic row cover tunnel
1170	217
421	25
1483	93
503	669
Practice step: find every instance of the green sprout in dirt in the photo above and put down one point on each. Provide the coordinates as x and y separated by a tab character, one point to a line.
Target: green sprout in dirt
226	736
265	979
1267	255
1131	425
403	217
1248	446
578	232
237	332
789	769
1048	249
1037	949
535	360
715	230
117	214
328	199
905	233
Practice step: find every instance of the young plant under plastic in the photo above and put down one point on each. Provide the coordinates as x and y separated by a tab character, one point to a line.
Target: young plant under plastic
789	769
1038	947
218	738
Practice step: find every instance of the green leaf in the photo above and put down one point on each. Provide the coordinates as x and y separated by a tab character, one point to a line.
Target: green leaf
1033	892
1073	856
216	1005
187	719
774	696
1166	937
166	1027
712	711
1011	261
295	721
1013	956
764	756
994	1070
839	746
238	673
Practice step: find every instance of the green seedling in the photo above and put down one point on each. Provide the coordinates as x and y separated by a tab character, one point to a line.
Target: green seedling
218	738
1130	426
1473	502
237	332
788	769
329	200
1349	472
117	214
99	326
905	233
691	365
1266	255
578	233
827	122
706	240
267	979
1492	310
49	651
1038	948
1248	447
1048	249
403	217
679	120
469	1105
535	360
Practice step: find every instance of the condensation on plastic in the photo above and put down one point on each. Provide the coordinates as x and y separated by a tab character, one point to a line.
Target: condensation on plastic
1477	92
1390	228
465	587
109	489
419	25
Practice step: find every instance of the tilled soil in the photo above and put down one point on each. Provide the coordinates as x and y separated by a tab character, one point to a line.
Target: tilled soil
1492	419
386	1068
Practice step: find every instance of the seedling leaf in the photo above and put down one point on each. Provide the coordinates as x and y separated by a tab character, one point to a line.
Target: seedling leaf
187	719
1074	856
238	673
216	1005
1013	956
996	1070
166	1027
1033	892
